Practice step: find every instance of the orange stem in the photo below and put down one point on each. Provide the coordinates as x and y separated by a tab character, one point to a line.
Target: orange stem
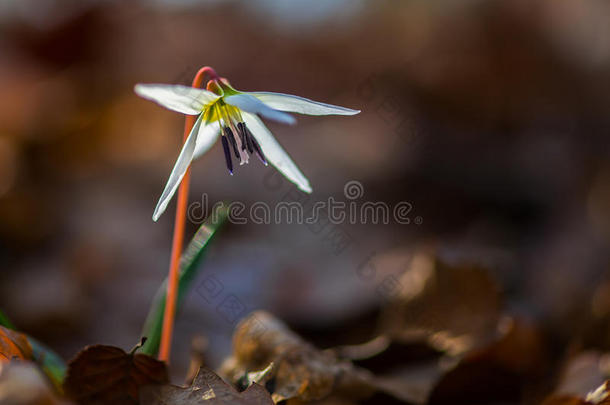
178	239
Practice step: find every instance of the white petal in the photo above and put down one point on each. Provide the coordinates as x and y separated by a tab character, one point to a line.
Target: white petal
182	164
184	99
274	152
208	134
253	105
300	105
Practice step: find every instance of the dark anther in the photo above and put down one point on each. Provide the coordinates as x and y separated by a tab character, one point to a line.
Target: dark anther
225	146
229	135
248	137
256	147
245	138
242	135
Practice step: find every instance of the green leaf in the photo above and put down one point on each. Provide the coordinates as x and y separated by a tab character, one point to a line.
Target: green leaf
189	266
50	362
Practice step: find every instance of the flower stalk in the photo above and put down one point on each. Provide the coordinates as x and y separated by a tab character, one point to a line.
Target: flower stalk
169	315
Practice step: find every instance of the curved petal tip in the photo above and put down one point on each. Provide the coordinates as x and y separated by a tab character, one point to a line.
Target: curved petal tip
306	188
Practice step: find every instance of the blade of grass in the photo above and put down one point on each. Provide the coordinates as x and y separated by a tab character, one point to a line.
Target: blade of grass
189	266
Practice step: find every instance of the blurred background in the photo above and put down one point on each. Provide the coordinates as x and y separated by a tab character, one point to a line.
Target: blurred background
490	119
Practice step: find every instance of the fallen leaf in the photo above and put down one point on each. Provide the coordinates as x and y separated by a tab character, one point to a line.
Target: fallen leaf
599	396
207	389
418	374
579	378
454	308
406	371
106	374
380	354
582	373
501	371
300	370
13	345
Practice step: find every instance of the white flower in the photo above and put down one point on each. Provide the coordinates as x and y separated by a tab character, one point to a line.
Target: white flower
222	110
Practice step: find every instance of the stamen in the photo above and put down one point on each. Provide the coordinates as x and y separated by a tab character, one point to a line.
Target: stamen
242	135
229	134
229	122
225	146
247	141
256	146
242	153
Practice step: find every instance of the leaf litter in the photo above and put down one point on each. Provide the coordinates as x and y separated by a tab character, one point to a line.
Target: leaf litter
446	339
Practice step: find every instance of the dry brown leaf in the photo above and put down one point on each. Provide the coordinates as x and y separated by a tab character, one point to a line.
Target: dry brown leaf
300	370
501	371
13	345
380	354
454	308
207	389
416	368
106	374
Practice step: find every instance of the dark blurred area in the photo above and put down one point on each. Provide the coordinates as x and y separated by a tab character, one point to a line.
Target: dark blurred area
491	119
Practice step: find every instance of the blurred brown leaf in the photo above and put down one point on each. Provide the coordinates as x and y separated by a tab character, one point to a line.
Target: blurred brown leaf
300	370
13	345
599	396
503	370
453	308
207	388
406	371
22	383
582	373
106	374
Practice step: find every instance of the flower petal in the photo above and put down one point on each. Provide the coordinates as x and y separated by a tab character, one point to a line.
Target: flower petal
274	152
208	134
184	99
253	105
300	105
182	164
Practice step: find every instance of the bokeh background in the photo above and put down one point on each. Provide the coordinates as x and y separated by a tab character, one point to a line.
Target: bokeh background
490	118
